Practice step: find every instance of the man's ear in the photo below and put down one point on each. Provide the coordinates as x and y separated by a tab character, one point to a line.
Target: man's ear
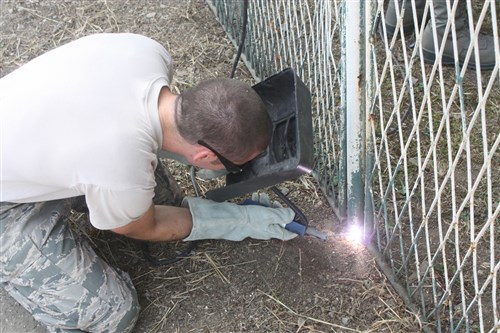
203	154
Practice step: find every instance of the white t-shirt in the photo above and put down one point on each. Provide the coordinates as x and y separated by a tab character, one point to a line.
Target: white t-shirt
83	119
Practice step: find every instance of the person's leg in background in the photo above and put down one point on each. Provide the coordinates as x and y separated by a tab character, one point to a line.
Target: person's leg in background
405	11
485	43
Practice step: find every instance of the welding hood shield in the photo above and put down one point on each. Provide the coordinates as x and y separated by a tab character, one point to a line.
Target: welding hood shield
290	152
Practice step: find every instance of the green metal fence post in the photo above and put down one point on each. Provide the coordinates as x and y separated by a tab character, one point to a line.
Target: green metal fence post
353	65
370	32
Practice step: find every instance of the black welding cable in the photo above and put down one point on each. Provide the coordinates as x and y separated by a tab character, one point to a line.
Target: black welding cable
196	188
167	261
299	215
243	34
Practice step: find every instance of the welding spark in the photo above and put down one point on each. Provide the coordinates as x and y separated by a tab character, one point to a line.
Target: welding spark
355	234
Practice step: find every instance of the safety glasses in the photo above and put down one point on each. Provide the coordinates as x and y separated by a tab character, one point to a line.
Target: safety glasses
230	166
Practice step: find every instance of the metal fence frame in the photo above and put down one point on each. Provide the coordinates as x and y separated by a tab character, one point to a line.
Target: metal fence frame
396	141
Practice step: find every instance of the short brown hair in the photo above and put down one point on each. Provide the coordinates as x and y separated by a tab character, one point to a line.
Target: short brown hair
227	114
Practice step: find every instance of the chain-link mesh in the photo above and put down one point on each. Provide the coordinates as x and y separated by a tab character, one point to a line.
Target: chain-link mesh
436	181
432	129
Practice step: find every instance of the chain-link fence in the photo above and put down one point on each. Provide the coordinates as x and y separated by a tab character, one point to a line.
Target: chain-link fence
406	109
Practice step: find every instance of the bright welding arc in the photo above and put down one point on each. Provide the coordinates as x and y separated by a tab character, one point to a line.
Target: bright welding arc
355	233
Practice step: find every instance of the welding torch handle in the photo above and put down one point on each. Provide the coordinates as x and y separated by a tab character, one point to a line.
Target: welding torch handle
302	230
296	228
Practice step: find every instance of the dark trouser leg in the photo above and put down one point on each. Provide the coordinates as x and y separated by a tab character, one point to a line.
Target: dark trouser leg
167	191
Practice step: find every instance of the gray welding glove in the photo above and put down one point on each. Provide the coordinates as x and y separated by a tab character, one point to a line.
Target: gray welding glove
264	200
214	220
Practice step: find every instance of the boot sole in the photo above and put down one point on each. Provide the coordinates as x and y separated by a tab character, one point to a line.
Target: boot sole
430	58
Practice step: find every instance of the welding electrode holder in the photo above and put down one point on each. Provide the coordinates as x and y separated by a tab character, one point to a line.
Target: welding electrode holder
300	224
296	226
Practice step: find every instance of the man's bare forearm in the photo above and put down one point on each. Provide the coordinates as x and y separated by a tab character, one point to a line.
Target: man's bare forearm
160	223
173	223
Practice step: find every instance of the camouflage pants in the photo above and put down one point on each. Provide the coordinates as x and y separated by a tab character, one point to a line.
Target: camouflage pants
58	277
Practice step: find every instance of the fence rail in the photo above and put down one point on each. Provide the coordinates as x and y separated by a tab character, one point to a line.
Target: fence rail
409	147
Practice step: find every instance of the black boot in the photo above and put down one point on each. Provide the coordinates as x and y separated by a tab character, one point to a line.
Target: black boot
487	54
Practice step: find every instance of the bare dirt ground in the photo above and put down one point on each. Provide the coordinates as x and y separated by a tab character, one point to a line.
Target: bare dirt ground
304	285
